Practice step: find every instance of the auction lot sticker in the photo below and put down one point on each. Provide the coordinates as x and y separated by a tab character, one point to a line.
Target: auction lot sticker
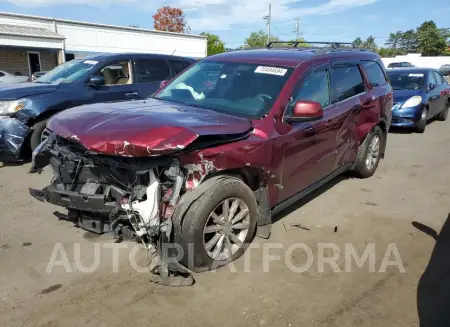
271	70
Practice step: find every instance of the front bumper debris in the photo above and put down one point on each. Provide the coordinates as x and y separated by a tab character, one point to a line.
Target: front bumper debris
129	198
12	136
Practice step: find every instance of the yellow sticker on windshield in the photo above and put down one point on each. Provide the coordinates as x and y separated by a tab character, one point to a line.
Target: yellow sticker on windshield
271	70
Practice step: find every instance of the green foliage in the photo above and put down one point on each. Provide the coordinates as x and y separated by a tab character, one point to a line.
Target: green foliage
214	44
432	41
258	39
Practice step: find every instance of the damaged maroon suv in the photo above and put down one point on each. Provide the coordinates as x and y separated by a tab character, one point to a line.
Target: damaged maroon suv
209	159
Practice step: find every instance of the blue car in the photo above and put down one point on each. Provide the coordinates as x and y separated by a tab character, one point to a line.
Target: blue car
419	94
26	107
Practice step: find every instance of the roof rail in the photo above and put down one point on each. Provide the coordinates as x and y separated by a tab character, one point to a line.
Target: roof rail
294	44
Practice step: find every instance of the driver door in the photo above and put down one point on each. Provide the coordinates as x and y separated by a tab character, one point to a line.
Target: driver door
119	83
309	146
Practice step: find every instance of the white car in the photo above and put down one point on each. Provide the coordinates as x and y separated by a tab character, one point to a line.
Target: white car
7	78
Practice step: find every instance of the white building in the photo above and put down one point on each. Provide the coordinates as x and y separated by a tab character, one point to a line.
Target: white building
30	43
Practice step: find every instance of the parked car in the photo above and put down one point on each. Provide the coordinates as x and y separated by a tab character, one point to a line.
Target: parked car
7	78
400	64
25	108
419	94
445	70
36	75
220	149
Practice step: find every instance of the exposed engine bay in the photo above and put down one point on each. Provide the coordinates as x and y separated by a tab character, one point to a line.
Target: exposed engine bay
131	198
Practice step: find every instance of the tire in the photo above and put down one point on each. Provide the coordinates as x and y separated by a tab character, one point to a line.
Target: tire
443	114
191	237
35	139
373	142
422	124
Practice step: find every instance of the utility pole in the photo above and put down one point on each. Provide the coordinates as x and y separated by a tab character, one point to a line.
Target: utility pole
268	18
297	28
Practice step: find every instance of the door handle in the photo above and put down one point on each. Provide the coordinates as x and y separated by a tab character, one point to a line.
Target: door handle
131	94
309	131
332	123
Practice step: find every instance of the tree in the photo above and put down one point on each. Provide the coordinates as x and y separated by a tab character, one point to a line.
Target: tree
170	19
358	42
432	41
370	44
387	52
409	41
394	39
258	39
215	44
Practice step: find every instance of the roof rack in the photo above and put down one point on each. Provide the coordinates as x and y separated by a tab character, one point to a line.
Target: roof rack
294	44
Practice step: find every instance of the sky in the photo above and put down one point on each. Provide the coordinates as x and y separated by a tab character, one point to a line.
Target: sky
234	20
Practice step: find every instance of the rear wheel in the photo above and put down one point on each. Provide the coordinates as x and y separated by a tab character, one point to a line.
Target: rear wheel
369	154
38	135
422	124
444	114
218	226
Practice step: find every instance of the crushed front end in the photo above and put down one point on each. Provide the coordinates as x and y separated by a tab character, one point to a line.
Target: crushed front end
131	198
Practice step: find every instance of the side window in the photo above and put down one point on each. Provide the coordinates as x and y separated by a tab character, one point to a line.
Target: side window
315	88
179	65
347	82
152	70
374	73
438	78
2	74
118	73
431	79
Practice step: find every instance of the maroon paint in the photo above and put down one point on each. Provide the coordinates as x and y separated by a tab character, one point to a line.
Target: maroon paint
142	128
287	156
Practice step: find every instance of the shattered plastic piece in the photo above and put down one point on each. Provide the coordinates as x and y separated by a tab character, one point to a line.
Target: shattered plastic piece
12	135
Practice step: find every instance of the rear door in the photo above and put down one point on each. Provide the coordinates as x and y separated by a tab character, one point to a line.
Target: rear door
351	105
150	72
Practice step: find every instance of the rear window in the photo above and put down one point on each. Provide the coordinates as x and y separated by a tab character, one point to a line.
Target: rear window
374	73
152	70
179	65
347	82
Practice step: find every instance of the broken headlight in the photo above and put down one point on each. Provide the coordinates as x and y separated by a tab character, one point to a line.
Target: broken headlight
10	107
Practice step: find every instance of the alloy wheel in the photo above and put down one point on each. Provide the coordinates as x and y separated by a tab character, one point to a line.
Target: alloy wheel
373	153
226	229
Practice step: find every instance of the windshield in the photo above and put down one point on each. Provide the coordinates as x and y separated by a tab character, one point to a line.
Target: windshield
68	72
240	89
407	81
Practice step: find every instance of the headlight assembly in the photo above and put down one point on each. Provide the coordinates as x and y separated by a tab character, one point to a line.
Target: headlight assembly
10	107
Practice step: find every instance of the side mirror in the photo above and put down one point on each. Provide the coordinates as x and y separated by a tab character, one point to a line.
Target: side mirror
163	83
305	111
431	87
96	80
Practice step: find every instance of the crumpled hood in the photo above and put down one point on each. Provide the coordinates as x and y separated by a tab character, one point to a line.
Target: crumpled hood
19	90
142	128
403	95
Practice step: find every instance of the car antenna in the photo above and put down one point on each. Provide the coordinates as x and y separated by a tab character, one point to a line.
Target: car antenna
174	51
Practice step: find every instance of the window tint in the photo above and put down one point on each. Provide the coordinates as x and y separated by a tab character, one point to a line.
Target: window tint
179	65
431	79
1	74
315	88
152	70
374	73
438	78
347	82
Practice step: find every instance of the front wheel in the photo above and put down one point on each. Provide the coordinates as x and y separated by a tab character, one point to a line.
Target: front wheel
218	226
369	154
422	124
38	134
